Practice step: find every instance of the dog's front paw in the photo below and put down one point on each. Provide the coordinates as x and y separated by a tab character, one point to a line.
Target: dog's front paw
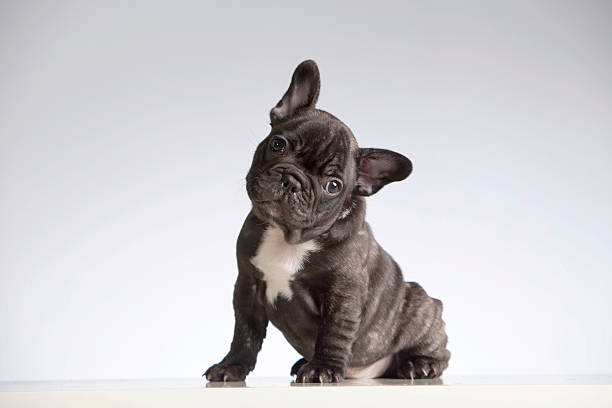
226	372
318	372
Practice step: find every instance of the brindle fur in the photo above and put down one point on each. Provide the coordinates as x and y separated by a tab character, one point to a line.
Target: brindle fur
350	306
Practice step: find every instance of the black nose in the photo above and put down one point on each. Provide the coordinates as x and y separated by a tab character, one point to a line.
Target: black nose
291	183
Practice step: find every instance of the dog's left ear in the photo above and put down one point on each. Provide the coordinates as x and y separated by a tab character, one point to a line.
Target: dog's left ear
378	167
302	93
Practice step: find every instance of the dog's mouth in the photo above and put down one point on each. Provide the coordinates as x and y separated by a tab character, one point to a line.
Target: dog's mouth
283	199
262	193
262	201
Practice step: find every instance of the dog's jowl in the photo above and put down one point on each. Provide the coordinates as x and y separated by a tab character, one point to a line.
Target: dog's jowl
308	262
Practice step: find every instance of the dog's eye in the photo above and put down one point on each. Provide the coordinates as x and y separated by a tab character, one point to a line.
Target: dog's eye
333	186
277	144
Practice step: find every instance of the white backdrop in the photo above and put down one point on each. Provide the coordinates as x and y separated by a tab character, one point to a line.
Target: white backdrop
126	132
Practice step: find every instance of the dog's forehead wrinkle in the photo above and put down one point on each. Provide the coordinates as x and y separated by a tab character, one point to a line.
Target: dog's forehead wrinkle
313	128
321	156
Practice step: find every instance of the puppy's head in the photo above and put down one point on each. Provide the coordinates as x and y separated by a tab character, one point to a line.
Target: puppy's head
306	171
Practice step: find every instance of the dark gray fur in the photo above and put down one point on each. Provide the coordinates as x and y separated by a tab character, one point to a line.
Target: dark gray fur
350	306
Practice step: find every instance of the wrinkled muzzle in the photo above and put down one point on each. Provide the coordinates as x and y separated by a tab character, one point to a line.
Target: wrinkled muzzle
282	193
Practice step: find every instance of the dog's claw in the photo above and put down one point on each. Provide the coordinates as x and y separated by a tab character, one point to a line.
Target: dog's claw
314	372
419	368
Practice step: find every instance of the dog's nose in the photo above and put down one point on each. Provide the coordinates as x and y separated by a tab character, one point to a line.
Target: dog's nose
291	183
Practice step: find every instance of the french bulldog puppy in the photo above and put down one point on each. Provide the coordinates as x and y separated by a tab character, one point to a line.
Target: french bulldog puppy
308	262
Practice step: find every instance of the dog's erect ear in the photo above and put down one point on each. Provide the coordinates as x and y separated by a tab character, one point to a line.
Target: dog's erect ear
378	167
302	93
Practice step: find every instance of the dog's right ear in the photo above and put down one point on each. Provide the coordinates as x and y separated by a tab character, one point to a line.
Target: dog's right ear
379	167
302	93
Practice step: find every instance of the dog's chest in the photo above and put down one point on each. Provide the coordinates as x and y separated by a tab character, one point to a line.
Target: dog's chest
279	261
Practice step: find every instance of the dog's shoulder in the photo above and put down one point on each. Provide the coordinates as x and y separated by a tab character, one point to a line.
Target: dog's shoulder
250	238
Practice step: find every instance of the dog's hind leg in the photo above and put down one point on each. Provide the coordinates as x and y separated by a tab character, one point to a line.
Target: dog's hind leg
425	354
411	365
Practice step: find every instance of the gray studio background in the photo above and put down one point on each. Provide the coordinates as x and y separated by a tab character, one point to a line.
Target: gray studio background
126	130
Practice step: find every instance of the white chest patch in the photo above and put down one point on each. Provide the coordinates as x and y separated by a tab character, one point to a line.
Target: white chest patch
278	261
